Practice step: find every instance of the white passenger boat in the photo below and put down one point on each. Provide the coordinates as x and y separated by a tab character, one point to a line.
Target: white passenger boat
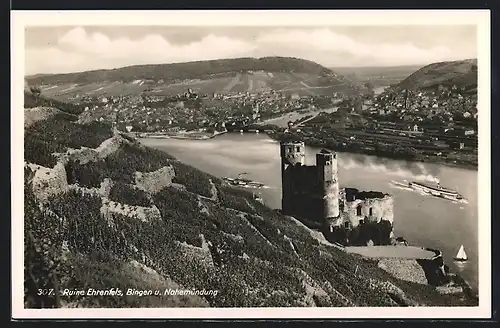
435	190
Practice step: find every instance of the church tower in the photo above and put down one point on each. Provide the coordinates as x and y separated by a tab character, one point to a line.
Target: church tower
292	158
326	162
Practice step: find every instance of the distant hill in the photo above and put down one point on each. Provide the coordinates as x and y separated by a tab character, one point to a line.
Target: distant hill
387	71
377	76
289	75
462	73
188	70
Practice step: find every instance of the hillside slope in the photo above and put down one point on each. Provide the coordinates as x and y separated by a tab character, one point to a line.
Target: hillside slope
221	76
376	76
102	211
188	70
462	73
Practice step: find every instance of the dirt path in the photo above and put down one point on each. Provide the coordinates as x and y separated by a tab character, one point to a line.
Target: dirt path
232	83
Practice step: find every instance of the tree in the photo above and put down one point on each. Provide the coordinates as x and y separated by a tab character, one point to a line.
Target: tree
36	91
370	88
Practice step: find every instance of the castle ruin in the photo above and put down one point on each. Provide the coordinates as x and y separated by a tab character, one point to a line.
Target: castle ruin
312	193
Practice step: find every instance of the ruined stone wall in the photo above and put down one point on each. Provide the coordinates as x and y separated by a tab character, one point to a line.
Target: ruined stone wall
381	209
48	182
145	214
155	181
111	145
102	191
85	155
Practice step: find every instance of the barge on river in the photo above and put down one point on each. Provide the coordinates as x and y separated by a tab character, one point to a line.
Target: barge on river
242	182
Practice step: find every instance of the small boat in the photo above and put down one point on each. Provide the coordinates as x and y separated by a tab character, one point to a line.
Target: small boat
461	255
241	182
258	198
435	190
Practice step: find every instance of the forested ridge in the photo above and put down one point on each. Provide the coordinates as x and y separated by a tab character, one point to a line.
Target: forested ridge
189	70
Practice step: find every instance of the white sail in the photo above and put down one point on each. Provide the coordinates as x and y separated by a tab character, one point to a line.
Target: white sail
461	255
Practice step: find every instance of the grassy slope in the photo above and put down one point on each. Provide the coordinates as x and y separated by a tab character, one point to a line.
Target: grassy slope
462	73
254	264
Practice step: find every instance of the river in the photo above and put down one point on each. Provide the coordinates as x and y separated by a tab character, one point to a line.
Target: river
422	220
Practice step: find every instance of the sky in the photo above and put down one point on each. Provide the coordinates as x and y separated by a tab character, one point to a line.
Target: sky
64	49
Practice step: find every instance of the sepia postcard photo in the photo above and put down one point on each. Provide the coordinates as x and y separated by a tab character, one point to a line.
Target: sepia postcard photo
251	164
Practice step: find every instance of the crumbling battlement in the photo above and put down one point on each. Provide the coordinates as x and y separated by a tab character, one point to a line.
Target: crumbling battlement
312	193
48	182
378	206
202	254
102	191
145	214
85	155
155	181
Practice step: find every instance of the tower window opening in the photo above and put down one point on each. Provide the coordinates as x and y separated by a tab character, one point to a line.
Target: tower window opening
371	211
327	163
298	149
358	210
346	224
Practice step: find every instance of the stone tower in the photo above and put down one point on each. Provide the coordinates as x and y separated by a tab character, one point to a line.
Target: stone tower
292	157
326	162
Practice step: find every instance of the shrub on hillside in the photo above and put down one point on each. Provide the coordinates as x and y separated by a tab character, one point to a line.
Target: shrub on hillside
43	237
119	166
126	194
40	151
195	180
184	219
31	100
141	159
87	175
60	130
235	202
85	230
269	231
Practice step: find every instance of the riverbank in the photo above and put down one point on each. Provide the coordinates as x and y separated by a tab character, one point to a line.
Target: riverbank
282	120
364	151
181	136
